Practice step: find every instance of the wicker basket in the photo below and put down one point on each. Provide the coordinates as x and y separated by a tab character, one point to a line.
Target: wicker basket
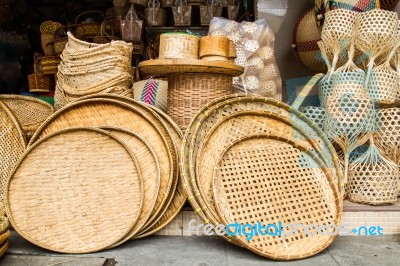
155	16
89	29
208	12
139	2
214	46
179	45
47	44
188	92
182	15
37	81
49	64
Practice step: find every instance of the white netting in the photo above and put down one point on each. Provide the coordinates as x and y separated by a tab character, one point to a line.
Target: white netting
373	178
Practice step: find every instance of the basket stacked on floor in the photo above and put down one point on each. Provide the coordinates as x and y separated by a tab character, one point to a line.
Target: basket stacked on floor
248	159
89	68
111	174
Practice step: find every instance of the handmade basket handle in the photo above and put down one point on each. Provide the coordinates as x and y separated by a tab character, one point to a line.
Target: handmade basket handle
306	90
89	12
103	32
57	34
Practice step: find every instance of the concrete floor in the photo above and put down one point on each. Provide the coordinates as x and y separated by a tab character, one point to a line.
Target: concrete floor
162	250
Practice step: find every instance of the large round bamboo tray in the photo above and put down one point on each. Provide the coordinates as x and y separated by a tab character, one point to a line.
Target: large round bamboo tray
29	111
150	169
185	159
75	211
178	199
235	126
196	134
167	66
12	145
263	166
134	117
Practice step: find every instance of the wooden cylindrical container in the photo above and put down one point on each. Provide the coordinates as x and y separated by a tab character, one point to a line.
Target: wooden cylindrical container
188	92
214	46
179	45
214	58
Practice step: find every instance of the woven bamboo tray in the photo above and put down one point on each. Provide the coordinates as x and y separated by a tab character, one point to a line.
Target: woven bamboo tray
199	129
139	119
264	166
167	66
29	111
75	211
12	145
150	169
235	126
177	199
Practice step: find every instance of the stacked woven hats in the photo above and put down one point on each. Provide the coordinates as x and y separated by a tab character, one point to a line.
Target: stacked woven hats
104	170
89	68
250	161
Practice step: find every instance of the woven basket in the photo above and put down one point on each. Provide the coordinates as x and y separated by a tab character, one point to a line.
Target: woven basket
47	41
184	102
179	45
140	2
208	12
4	248
388	135
156	16
304	43
373	178
182	15
215	46
37	81
49	64
89	29
315	114
152	91
264	165
30	112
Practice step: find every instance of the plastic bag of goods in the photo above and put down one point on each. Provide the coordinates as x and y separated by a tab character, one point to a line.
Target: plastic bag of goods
254	43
